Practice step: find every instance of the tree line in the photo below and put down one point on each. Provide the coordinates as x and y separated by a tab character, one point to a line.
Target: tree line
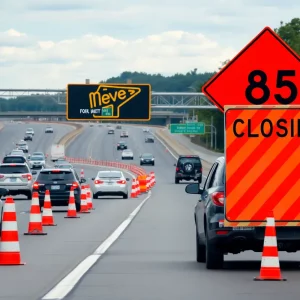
189	82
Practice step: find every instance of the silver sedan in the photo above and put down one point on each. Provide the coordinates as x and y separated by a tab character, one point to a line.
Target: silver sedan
110	183
127	154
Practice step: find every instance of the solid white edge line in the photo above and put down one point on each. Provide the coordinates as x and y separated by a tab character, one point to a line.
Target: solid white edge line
68	283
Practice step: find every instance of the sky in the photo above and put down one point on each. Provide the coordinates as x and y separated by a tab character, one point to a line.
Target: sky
50	43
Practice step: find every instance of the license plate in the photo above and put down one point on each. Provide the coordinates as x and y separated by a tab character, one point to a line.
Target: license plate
243	228
109	183
54	187
13	179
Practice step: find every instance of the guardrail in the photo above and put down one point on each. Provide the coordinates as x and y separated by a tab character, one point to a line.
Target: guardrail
111	164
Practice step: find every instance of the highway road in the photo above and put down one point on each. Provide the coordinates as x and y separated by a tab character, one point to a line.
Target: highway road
153	259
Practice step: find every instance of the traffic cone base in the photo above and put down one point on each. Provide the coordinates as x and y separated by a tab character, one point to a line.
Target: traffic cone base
72	217
36	232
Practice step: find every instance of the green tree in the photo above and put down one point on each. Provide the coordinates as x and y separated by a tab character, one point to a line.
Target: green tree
290	33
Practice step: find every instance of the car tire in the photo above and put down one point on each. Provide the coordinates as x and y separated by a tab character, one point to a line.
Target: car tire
214	256
95	196
153	164
28	195
200	250
125	196
176	180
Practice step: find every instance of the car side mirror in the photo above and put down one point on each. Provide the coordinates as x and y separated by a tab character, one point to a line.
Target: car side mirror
174	165
93	178
34	172
82	180
127	179
3	192
193	188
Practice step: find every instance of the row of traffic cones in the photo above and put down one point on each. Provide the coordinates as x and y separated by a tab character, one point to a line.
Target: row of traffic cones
10	253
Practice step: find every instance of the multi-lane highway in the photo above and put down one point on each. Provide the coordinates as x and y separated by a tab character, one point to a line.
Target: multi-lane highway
153	259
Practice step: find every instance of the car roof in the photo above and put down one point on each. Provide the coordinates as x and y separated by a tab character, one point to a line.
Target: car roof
9	155
55	170
189	156
147	154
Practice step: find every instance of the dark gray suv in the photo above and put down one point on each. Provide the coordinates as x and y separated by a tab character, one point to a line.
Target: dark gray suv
188	167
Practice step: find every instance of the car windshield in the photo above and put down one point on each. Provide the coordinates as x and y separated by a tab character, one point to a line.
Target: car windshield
36	158
147	155
11	169
113	174
37	154
55	175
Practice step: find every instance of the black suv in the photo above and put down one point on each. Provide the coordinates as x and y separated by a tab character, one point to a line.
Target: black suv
59	183
188	167
28	137
121	146
213	240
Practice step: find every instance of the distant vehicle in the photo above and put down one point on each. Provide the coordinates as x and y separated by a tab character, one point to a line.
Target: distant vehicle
121	146
119	127
30	131
37	161
57	151
127	154
22	145
17	179
28	137
110	131
38	154
149	139
63	166
124	134
188	167
147	159
49	129
59	183
61	160
17	152
110	183
14	159
145	129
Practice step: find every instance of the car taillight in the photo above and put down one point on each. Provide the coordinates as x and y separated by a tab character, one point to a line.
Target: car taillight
55	171
28	176
75	185
201	170
177	169
218	198
121	181
35	186
98	181
1	176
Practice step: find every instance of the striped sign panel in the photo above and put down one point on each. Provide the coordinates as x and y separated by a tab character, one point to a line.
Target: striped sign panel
262	165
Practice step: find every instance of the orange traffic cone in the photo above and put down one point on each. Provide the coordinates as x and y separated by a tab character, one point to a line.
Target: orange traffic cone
270	268
138	190
9	246
35	226
84	208
72	213
133	189
47	216
89	198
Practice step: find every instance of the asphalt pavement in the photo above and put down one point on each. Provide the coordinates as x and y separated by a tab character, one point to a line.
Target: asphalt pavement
153	259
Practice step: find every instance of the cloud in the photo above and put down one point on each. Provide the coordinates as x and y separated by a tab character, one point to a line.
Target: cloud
14	38
54	64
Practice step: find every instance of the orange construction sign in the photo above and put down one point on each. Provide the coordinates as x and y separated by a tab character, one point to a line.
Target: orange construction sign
262	165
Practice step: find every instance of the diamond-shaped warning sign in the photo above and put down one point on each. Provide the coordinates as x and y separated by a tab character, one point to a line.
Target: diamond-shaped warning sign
265	72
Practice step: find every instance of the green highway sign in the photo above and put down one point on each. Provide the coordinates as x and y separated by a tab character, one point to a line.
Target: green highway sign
188	128
111	102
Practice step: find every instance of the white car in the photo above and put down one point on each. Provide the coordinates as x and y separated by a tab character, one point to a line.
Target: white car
124	134
49	129
145	129
22	145
36	161
17	152
30	131
127	154
110	183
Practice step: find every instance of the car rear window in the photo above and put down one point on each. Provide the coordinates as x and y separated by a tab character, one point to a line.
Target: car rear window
109	175
193	160
14	169
17	160
55	175
21	144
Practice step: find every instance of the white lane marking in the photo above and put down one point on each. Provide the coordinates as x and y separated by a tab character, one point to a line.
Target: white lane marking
66	285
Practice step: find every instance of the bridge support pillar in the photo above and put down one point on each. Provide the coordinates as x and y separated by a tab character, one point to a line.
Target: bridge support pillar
168	120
